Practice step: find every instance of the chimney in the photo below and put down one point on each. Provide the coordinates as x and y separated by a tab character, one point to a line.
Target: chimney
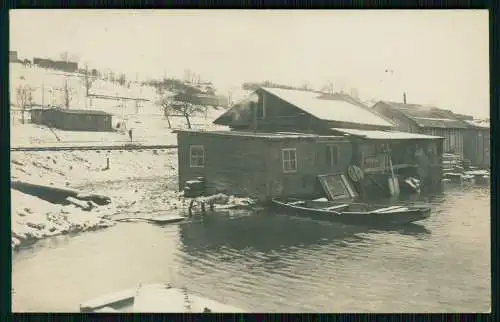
404	98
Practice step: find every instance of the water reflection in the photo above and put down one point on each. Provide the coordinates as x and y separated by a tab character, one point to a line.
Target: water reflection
267	262
265	232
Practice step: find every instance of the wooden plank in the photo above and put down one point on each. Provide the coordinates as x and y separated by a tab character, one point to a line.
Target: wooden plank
382	210
84	205
159	299
167	219
106	309
395	210
108	299
336	207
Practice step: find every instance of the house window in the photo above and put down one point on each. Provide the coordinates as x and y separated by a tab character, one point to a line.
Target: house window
196	156
332	155
289	160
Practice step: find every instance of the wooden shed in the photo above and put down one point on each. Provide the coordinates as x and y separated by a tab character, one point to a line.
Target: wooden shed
477	144
73	120
416	118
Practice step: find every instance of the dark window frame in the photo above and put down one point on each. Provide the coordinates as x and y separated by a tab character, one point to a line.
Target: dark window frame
198	157
289	164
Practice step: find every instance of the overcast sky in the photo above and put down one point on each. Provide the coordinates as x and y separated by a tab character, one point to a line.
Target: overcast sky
437	57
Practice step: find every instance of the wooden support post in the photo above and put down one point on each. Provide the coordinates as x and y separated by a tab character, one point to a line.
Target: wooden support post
203	207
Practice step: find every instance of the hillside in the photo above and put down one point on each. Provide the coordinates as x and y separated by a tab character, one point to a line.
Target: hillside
145	118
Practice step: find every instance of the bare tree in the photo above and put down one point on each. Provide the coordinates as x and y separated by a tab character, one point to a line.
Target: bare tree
67	93
122	79
187	109
88	80
165	103
24	98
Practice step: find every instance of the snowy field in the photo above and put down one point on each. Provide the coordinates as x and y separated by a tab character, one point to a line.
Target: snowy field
48	86
147	129
145	119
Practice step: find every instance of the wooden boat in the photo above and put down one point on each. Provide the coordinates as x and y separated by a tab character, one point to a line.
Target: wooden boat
155	298
166	219
353	213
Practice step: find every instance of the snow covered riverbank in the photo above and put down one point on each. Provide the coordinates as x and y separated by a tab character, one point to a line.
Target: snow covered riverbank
139	183
33	218
77	168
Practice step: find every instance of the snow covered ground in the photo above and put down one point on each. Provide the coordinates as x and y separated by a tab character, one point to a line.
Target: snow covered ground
138	182
146	120
48	86
146	129
33	218
76	168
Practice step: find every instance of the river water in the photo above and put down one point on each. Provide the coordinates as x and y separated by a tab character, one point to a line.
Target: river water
276	263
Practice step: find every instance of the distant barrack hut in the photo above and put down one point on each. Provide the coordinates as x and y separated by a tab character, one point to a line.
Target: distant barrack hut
281	141
72	120
477	143
430	120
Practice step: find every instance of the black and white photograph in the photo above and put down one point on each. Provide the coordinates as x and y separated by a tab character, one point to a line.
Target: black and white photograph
258	161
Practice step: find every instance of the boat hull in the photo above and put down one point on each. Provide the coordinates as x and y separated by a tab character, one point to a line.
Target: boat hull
406	216
155	298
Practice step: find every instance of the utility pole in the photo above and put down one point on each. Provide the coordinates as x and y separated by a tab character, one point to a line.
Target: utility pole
87	85
43	92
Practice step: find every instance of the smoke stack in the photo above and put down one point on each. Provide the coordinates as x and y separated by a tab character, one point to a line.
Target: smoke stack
404	97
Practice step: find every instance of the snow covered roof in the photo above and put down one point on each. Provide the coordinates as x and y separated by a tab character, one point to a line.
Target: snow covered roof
386	135
329	109
429	116
270	135
479	123
85	112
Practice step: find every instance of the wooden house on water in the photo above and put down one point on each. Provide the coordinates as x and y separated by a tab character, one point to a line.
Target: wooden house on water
281	140
477	144
415	118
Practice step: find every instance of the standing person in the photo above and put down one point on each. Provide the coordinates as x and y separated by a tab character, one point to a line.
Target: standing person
130	134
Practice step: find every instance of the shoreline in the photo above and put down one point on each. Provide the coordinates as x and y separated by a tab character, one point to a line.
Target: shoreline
137	182
33	218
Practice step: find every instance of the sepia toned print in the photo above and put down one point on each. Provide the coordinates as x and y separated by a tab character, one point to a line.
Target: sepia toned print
210	161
